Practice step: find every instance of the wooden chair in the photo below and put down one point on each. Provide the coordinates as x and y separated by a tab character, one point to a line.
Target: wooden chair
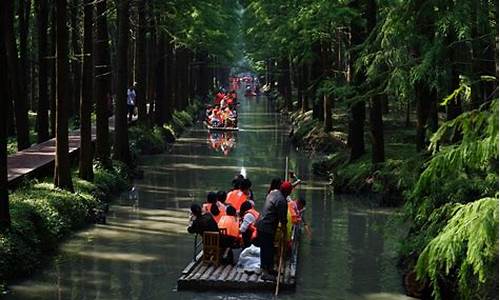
211	246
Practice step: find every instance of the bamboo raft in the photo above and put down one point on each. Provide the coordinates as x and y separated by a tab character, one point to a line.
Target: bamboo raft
203	276
222	128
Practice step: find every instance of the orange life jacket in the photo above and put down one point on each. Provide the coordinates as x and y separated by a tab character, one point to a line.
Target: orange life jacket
294	212
230	224
207	206
236	198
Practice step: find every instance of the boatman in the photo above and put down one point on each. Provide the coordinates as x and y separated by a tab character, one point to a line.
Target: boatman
274	212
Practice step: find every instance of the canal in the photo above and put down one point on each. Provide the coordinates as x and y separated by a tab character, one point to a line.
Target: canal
144	246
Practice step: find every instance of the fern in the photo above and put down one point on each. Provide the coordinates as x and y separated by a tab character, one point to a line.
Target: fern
468	245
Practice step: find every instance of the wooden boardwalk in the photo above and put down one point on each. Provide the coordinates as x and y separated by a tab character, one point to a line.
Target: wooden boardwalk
203	276
40	158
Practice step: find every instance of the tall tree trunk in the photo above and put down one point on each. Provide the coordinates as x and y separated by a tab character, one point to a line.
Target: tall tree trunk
24	11
356	136
86	155
152	58
53	84
102	85
316	76
423	96
377	129
14	69
181	66
160	86
4	98
62	172
327	119
169	73
121	149
141	63
202	82
304	85
285	83
327	63
43	82
76	62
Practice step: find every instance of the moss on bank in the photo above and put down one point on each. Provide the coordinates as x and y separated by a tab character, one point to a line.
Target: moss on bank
331	156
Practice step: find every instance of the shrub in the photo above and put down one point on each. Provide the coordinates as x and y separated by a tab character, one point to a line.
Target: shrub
43	215
144	140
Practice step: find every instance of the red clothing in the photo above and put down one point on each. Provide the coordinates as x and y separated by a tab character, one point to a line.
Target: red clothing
218	98
294	212
206	208
231	225
236	198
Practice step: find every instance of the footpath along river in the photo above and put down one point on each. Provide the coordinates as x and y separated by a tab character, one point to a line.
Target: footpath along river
144	246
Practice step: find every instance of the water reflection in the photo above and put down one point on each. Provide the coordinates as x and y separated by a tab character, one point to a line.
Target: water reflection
141	251
222	141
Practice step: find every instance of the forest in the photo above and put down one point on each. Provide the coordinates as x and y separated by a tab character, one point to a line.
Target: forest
395	98
66	67
402	97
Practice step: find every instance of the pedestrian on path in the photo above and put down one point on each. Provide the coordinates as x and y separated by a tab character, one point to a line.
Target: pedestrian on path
131	97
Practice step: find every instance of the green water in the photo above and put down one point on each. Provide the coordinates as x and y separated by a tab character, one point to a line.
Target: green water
140	253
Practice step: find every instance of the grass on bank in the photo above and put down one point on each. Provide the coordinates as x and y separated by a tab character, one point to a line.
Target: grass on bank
42	216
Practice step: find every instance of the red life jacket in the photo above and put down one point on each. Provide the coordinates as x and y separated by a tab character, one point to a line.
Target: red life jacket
294	212
236	198
230	224
222	210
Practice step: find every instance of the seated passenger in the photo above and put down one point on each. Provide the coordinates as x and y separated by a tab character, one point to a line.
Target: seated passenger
230	223
221	197
215	119
208	112
248	217
218	97
199	222
238	196
214	207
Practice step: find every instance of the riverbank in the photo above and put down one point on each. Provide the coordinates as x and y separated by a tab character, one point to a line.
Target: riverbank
42	216
448	195
388	180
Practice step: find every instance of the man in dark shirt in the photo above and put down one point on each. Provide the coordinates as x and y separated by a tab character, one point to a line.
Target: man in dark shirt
199	222
274	212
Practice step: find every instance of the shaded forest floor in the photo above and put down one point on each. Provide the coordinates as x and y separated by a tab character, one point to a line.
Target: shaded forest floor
331	154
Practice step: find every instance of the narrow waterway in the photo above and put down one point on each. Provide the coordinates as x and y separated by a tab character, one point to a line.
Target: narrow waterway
141	251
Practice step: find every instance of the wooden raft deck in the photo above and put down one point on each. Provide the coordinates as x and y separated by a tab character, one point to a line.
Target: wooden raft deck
202	276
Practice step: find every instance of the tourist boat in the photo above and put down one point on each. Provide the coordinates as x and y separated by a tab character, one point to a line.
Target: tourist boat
203	274
214	128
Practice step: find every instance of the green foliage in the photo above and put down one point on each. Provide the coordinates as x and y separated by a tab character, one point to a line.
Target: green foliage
43	215
454	232
467	246
459	172
146	140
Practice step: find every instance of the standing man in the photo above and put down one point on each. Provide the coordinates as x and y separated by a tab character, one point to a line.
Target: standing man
274	212
131	95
